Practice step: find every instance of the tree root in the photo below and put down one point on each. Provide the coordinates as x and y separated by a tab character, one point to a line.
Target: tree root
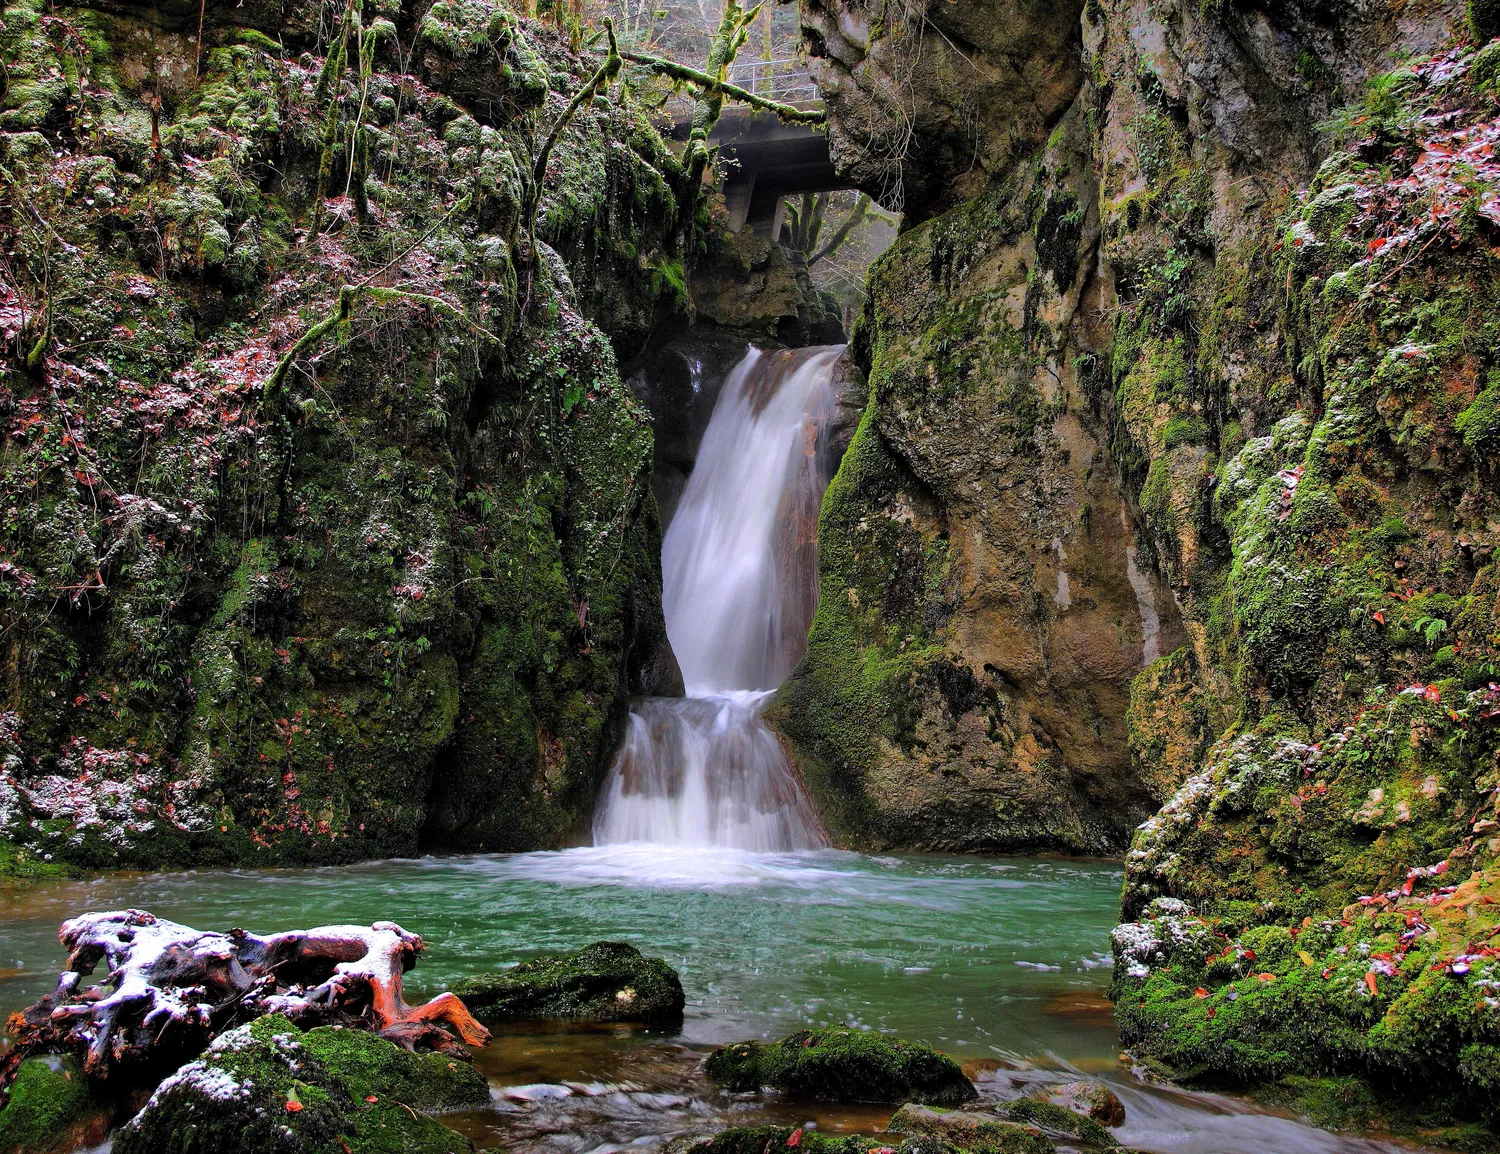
175	988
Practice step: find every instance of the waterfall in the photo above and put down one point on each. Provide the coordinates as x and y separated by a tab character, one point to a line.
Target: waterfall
739	572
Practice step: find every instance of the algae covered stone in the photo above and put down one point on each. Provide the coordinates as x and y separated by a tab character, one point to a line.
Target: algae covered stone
53	1108
269	1088
604	982
966	1130
843	1065
768	1139
1092	1100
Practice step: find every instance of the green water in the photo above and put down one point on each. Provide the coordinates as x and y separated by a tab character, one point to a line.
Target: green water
999	959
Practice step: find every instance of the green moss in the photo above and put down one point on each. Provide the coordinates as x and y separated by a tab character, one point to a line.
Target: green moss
1060	1121
23	862
975	1132
604	982
773	1139
841	1064
53	1108
1484	20
1183	430
352	1091
1479	424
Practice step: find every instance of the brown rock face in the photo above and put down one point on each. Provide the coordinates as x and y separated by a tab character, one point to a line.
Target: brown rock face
983	608
928	101
1065	355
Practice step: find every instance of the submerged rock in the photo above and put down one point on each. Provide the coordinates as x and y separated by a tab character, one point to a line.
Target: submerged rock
766	1139
971	1130
269	1088
843	1065
1090	1099
53	1108
604	982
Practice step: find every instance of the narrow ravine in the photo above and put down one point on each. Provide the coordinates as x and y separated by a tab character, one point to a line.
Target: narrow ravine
708	853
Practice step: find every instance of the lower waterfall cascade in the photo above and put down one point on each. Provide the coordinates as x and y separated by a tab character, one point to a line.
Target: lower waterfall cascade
739	563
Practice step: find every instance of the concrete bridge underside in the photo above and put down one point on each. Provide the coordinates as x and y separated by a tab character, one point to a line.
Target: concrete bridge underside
762	160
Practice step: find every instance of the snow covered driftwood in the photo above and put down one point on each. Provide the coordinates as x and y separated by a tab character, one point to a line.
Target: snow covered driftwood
173	988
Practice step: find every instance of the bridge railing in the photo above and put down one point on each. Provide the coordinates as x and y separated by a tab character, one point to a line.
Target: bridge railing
786	80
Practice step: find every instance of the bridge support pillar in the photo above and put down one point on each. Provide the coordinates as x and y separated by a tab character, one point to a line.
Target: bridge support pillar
739	195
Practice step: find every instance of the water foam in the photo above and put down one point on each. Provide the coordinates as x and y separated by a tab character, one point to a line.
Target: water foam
739	566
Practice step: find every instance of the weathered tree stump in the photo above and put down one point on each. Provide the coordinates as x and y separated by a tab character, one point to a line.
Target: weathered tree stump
172	989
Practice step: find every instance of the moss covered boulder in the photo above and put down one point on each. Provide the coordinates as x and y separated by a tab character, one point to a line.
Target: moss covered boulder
604	982
269	1088
972	1130
843	1065
769	1139
53	1109
1092	1100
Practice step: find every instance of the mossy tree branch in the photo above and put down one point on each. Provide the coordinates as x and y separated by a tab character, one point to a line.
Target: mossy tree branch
851	222
597	83
789	113
329	80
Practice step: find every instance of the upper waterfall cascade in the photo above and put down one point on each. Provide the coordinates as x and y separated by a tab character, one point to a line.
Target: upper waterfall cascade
739	564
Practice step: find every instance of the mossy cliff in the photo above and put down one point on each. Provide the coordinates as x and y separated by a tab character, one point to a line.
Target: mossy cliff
1223	330
382	591
984	604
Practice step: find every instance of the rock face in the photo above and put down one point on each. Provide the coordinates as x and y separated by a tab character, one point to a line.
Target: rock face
753	286
269	1088
605	982
928	101
985	601
1225	338
396	598
841	1064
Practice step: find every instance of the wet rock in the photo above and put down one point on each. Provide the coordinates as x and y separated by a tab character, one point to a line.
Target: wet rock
1090	1099
604	982
769	1139
750	284
1058	1121
974	1130
922	121
269	1088
53	1108
981	562
841	1064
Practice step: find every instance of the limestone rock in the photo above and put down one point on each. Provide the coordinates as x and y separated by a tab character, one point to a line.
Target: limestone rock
986	599
929	101
971	1130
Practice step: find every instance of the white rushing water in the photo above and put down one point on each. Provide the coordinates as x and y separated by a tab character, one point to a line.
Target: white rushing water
739	576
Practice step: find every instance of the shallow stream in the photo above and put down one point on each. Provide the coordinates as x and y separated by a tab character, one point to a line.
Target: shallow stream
1000	962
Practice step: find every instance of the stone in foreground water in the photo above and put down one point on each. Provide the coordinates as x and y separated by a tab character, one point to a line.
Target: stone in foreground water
604	982
842	1064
